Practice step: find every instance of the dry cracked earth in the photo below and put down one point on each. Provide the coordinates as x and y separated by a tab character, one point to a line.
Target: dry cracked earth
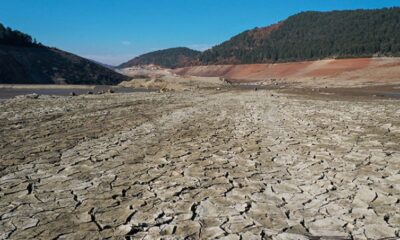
199	165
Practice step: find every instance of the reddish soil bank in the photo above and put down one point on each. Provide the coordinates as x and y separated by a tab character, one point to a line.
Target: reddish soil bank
331	72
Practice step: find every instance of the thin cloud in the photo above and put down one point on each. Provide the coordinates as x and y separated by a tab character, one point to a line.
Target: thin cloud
126	43
200	47
109	59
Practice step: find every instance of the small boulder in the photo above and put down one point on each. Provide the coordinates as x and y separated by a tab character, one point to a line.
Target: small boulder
32	96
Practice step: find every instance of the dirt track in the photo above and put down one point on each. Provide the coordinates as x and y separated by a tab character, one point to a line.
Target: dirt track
199	165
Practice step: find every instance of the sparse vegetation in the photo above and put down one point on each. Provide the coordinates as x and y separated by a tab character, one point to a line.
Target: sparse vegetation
140	76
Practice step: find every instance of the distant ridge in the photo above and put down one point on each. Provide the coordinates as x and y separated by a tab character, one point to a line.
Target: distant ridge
168	58
305	36
23	60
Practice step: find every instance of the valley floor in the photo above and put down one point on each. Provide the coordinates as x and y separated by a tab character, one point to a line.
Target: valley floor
199	165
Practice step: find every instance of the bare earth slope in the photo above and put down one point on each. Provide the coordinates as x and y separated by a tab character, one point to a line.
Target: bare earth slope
332	72
199	165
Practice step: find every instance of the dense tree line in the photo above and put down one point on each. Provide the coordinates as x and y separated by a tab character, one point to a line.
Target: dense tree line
15	38
315	35
169	58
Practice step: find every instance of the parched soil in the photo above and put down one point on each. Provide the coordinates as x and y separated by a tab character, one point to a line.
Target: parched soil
199	165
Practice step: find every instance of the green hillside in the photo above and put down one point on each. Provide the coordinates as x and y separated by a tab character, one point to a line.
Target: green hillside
314	35
169	58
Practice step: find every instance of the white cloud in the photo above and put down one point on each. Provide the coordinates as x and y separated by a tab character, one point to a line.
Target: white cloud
126	43
200	47
109	59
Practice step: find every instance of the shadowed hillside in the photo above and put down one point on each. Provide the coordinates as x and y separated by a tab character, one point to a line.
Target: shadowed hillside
23	60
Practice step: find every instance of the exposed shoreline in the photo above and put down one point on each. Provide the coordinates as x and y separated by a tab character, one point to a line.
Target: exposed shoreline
46	86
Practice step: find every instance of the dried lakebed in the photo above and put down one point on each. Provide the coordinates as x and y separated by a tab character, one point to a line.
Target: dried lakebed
199	165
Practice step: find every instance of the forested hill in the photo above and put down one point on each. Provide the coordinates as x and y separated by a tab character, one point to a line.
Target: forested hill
169	58
23	60
12	37
314	35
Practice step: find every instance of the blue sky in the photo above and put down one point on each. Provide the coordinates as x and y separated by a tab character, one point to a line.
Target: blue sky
113	31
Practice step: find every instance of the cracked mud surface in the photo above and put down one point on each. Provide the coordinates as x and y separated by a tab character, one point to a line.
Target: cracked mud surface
204	165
